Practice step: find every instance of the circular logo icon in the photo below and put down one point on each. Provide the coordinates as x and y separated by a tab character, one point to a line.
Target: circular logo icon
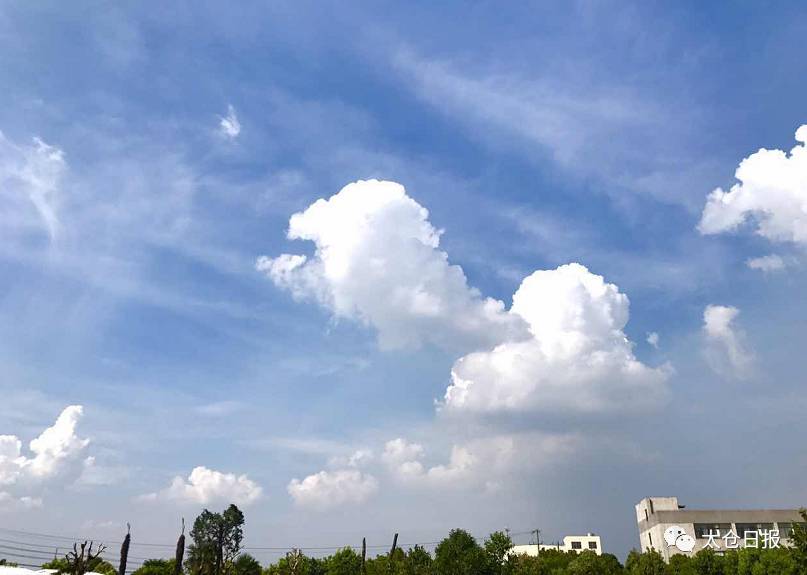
675	535
672	533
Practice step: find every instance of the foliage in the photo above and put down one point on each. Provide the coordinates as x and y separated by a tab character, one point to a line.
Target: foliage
217	540
343	562
418	561
680	565
460	554
798	539
650	563
156	567
497	546
296	563
246	564
589	563
94	564
707	562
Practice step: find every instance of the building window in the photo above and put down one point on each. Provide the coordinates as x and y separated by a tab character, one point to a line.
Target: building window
702	530
743	528
650	538
592	544
646	515
577	544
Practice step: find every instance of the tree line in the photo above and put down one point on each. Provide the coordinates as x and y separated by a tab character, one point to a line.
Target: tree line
216	549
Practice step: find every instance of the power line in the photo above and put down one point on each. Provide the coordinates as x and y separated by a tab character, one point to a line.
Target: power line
168	546
41	549
74	539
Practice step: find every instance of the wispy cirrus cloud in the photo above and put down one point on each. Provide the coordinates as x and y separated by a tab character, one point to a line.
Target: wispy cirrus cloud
588	128
31	175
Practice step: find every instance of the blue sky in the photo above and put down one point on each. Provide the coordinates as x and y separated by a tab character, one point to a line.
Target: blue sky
535	135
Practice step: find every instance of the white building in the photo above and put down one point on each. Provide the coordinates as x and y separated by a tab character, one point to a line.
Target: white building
575	543
671	529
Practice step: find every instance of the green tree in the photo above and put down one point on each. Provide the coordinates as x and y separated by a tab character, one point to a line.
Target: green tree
497	546
217	540
524	565
296	563
101	566
155	567
395	564
649	563
610	564
798	542
344	562
246	564
775	562
680	565
589	563
60	564
419	561
460	554
551	560
707	562
94	564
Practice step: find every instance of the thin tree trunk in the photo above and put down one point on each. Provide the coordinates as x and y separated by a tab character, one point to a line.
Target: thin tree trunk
124	550
180	553
219	550
363	555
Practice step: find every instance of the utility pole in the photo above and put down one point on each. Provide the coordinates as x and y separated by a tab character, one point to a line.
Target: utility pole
537	540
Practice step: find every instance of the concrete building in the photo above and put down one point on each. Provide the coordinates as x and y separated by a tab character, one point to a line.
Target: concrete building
670	529
576	543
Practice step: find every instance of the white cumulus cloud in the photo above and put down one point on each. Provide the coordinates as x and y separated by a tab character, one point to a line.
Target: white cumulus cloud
56	452
30	179
229	126
205	486
561	346
727	351
653	339
772	191
577	358
403	458
473	463
359	458
327	489
377	260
